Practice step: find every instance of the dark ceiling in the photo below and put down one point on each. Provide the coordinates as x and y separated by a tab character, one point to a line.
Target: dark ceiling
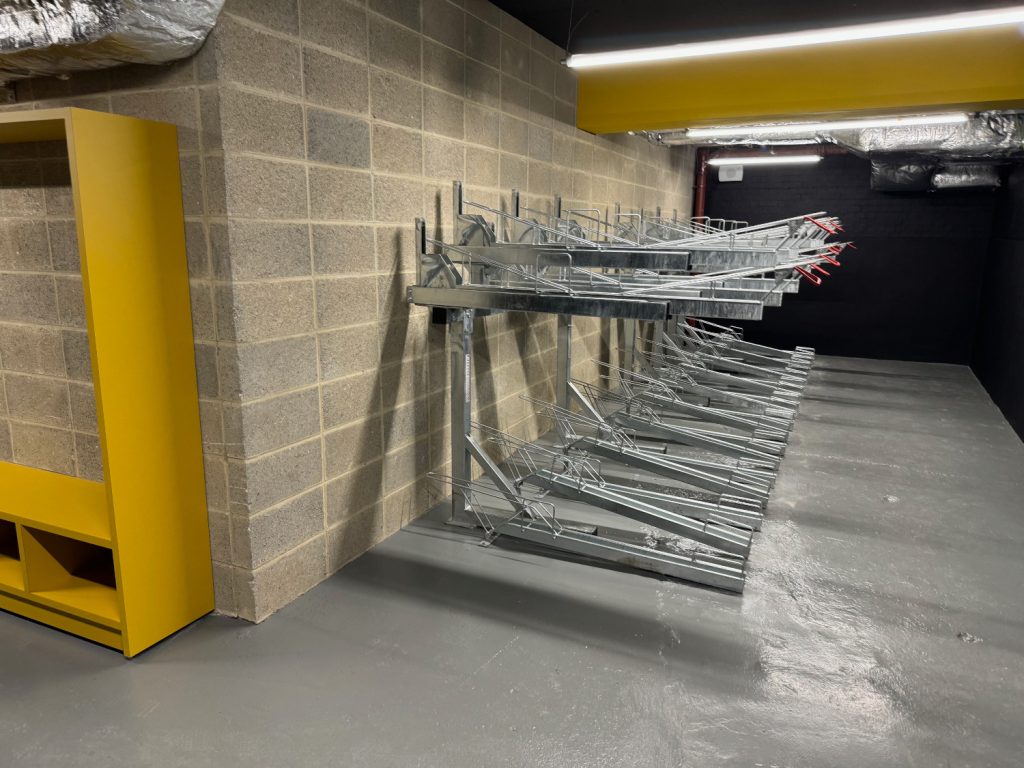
599	25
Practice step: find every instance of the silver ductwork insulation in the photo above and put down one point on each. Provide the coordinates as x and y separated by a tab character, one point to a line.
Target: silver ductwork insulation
966	175
987	135
55	37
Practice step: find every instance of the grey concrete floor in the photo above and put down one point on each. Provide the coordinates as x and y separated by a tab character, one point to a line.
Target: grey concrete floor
895	537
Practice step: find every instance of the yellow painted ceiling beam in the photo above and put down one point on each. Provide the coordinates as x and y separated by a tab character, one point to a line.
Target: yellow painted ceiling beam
962	70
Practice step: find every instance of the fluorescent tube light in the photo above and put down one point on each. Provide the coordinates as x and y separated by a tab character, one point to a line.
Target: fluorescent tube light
806	129
766	160
874	31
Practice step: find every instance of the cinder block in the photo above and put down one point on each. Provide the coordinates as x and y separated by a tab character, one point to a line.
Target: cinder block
485	10
481	167
255	250
396	249
404	465
278	15
83	407
5	441
515	135
405	424
31	349
250	57
541	143
541	105
70	301
255	428
350	399
334	82
445	22
56	179
483	41
397	150
276	531
22	190
337	139
176	106
64	246
38	400
254	123
23	246
561	152
180	72
515	58
515	97
88	457
483	85
337	25
345	301
443	114
396	99
250	371
352	446
76	355
339	195
216	470
347	351
260	311
351	538
395	48
211	425
264	189
354	491
192	185
406	12
482	125
542	72
342	249
26	298
444	158
206	369
43	447
282	580
269	479
397	200
513	172
444	68
565	84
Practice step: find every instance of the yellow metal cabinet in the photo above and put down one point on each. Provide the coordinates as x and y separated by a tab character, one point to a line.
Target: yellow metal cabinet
124	562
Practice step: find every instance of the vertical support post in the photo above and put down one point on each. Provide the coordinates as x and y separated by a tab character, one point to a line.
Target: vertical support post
629	327
460	330
515	203
557	212
563	365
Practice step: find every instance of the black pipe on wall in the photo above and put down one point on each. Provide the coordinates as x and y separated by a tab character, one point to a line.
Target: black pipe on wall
911	290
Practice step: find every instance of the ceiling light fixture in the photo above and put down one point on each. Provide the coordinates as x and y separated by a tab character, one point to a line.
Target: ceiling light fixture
766	160
874	31
807	129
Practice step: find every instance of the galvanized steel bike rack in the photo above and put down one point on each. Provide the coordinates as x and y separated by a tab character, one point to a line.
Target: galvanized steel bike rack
705	419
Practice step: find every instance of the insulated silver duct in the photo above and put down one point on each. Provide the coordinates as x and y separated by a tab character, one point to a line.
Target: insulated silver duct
54	37
986	135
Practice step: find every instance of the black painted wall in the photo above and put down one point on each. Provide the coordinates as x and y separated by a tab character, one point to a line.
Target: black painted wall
999	350
910	291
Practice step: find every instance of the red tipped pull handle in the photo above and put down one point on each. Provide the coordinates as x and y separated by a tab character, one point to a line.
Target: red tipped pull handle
823	225
819	268
813	278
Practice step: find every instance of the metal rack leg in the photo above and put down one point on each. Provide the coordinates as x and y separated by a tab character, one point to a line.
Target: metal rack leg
563	363
460	329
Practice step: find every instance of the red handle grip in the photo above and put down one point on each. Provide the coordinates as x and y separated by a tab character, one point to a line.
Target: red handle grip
813	278
823	225
821	269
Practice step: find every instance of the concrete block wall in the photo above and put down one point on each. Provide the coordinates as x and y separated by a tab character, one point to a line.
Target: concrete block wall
314	132
47	403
